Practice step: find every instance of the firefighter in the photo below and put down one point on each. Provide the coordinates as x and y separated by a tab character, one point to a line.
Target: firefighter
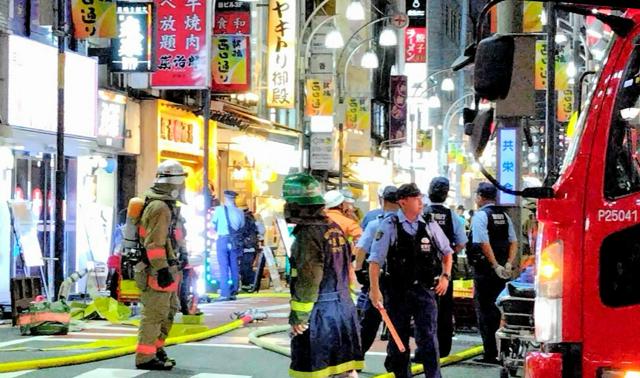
323	318
453	227
417	256
158	275
492	251
336	211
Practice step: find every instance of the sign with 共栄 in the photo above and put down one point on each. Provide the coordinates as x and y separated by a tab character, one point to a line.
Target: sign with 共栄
230	64
398	110
93	18
358	114
319	98
281	37
415	42
507	164
183	45
131	51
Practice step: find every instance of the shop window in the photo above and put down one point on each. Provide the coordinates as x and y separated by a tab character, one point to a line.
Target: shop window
620	268
622	174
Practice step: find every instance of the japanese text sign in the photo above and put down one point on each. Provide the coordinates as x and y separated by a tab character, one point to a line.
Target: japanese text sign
565	105
93	18
232	17
358	115
507	164
532	17
183	44
230	63
319	98
415	42
417	12
562	59
398	112
131	51
111	119
282	57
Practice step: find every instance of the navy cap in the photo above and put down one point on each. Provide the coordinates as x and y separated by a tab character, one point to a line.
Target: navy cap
487	190
439	189
390	194
230	194
408	190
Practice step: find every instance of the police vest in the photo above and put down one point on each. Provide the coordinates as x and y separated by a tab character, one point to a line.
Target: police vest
498	229
412	259
444	218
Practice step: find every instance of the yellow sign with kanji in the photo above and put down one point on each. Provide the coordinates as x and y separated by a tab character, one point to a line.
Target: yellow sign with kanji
358	114
562	59
565	105
319	98
94	18
281	37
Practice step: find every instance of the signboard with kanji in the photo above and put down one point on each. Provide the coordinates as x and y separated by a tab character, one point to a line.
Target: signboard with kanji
358	114
231	47
398	109
93	18
131	51
415	42
183	47
282	53
417	12
507	164
232	17
319	98
562	59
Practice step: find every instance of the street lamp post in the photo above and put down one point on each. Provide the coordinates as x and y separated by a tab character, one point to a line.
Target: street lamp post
444	146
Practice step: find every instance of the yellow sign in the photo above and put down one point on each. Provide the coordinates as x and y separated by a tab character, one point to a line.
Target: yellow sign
424	140
562	59
358	115
565	105
531	17
319	98
94	18
281	36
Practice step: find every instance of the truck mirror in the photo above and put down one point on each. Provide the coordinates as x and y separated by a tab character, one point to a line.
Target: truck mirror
480	131
493	67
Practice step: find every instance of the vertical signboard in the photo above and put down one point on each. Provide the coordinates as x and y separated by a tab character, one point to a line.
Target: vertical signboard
415	45
231	47
358	117
532	17
507	164
93	18
565	105
322	151
281	37
417	12
319	98
398	109
131	51
182	55
111	119
562	59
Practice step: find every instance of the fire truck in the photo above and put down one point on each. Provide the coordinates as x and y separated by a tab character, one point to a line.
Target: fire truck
587	305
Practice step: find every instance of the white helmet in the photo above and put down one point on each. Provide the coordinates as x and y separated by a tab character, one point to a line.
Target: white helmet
170	172
333	198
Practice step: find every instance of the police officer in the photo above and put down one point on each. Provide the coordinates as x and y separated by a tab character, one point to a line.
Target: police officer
227	220
369	316
321	304
453	228
158	276
493	251
417	256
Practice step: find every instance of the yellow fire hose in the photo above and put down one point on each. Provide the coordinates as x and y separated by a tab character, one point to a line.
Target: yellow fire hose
117	352
254	338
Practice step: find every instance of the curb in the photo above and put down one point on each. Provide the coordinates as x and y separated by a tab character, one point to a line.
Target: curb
117	352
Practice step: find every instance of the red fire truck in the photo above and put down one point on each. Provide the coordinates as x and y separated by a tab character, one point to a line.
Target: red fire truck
587	307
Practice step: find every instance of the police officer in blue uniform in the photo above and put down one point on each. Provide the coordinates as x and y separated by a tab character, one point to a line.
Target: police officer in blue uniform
492	253
417	259
453	228
227	219
370	318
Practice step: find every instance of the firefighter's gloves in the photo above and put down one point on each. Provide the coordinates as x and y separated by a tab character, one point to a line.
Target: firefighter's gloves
502	272
164	277
362	276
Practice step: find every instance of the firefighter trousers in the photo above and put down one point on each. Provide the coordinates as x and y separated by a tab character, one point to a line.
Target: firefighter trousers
158	311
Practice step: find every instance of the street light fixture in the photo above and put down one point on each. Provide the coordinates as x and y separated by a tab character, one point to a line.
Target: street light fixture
388	37
448	85
334	40
355	11
434	102
369	60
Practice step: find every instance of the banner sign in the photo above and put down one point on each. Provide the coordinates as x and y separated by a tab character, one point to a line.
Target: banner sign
417	12
358	115
282	53
183	46
398	112
565	105
319	98
232	17
131	50
415	42
424	140
532	17
93	18
507	164
562	59
111	119
322	151
231	63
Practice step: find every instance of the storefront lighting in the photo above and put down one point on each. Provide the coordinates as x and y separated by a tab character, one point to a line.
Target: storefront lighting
369	60
448	85
572	70
334	40
388	37
355	11
434	102
321	124
561	38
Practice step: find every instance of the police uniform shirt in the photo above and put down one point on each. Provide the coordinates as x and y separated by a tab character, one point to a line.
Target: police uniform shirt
459	235
386	235
369	233
371	216
236	217
480	224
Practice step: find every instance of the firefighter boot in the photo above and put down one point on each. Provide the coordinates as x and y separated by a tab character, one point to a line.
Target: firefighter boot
154	364
162	356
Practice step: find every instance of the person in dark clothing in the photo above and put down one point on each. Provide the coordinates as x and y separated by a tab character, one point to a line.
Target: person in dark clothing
492	253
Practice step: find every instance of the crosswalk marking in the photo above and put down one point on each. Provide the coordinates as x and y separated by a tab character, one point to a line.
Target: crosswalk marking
210	375
111	373
15	374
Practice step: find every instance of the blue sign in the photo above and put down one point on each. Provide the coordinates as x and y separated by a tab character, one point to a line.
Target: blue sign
507	164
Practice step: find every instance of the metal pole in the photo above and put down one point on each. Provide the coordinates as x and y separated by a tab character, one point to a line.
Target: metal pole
60	168
550	124
206	115
341	154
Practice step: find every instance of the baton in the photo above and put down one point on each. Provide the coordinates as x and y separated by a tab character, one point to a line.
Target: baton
392	329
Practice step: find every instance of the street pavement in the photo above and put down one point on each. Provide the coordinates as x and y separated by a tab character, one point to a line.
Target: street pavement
226	356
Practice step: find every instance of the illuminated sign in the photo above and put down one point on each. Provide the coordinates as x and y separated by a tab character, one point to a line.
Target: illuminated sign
282	53
415	42
131	50
93	18
507	164
231	55
111	119
417	12
319	98
358	114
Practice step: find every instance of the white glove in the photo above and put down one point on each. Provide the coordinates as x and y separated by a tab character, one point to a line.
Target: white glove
502	272
508	268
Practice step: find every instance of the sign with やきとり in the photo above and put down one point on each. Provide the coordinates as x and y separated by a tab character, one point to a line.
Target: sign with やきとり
281	37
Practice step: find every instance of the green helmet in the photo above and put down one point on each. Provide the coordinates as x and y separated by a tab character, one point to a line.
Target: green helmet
302	189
